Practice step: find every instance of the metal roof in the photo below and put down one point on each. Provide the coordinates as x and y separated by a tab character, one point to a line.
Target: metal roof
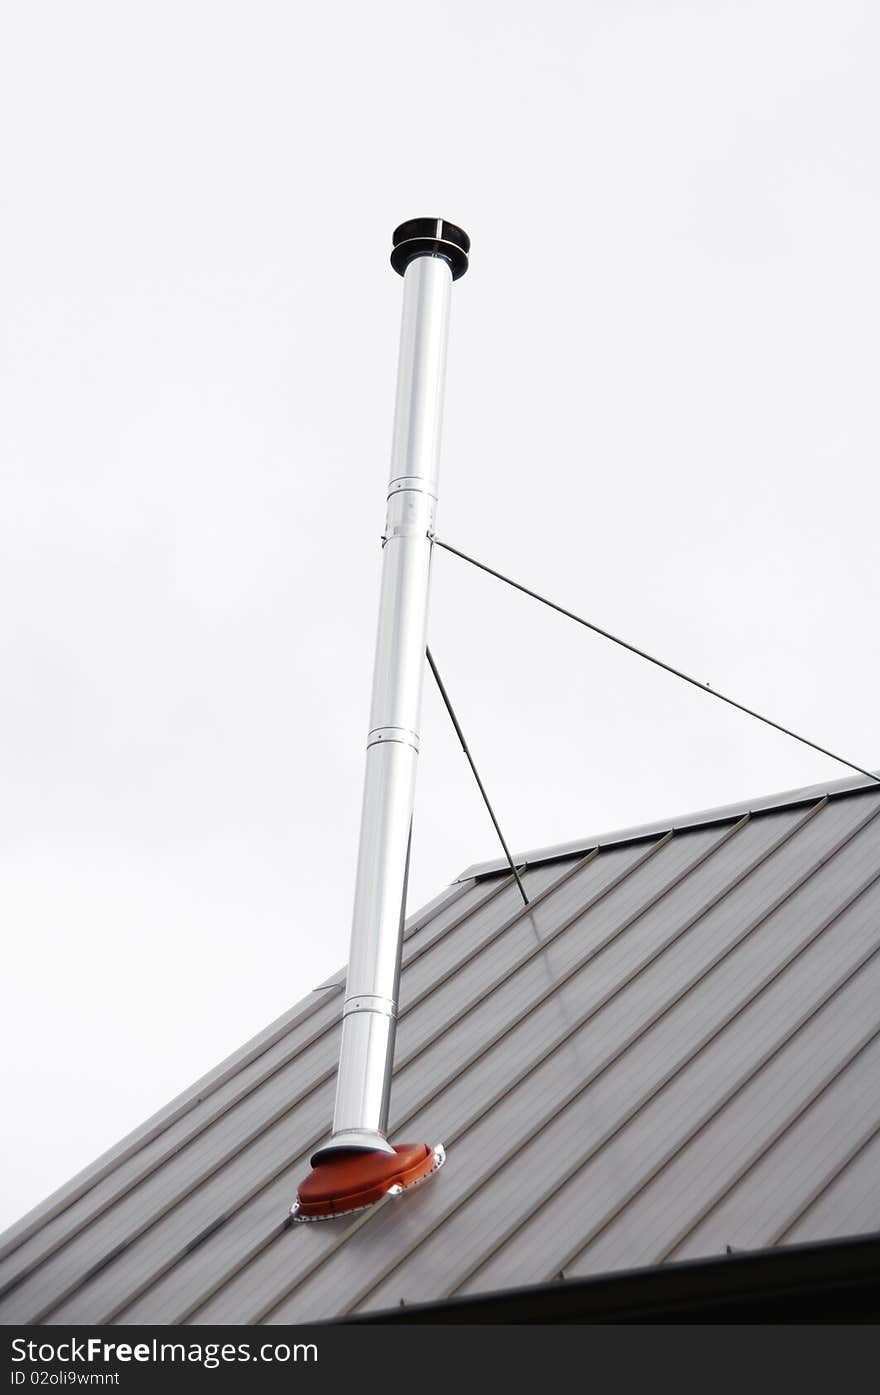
820	1281
721	814
674	1049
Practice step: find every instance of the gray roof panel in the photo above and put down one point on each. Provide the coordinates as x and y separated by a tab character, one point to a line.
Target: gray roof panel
762	1188
557	1120
847	1202
673	1049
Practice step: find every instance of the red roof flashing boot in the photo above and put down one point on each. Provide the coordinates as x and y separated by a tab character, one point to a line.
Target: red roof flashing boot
351	1181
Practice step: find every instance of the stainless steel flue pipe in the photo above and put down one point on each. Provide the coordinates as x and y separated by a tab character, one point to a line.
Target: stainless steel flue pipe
430	254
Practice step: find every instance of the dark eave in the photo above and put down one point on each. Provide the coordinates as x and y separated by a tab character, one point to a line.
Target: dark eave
832	1281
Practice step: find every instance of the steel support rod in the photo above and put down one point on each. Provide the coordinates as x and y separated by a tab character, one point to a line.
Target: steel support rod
429	254
658	663
464	746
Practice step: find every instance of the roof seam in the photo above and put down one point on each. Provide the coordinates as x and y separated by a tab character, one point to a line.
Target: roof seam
213	1118
577	915
829	1181
619	929
316	1138
328	1073
578	967
731	1094
496	889
288	1106
506	925
553	988
353	1229
116	1238
583	1085
205	1086
522	913
536	950
185	1101
140	1178
768	1145
706	1041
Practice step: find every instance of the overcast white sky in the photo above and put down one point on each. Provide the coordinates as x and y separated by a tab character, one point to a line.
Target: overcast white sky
662	409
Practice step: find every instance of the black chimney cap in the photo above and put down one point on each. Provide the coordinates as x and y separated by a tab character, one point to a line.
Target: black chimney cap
430	237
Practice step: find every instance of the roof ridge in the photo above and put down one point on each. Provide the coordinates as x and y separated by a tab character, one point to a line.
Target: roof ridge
723	813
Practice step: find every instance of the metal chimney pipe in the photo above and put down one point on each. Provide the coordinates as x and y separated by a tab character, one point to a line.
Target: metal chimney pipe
429	254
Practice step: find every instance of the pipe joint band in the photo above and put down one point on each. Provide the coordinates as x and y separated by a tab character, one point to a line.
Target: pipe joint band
415	484
403	735
370	1002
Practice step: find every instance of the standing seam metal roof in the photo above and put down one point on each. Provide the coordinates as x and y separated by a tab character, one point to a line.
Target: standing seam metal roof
673	1049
